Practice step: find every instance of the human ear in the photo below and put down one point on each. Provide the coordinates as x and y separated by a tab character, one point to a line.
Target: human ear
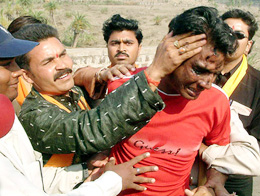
249	46
27	76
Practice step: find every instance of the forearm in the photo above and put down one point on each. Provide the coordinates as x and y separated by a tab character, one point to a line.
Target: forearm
86	77
216	180
56	131
241	156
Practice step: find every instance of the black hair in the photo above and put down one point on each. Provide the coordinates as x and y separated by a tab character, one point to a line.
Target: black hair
246	17
33	32
205	20
21	21
118	23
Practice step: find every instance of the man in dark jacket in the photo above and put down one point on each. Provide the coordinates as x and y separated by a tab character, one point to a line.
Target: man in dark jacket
242	83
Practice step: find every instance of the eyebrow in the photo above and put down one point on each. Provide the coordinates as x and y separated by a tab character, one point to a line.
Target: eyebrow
124	40
5	64
203	69
51	58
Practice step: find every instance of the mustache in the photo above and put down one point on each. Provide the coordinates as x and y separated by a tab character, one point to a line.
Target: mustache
119	53
64	71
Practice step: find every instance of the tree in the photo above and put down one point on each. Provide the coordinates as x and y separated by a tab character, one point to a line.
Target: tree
25	3
38	15
79	25
51	7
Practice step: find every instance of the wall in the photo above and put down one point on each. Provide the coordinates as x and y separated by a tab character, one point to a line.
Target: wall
97	57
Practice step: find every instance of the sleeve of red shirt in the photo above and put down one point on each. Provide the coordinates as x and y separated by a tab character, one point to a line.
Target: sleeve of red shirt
112	85
220	133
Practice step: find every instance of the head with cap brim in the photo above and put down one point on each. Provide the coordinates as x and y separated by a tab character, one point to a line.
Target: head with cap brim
11	47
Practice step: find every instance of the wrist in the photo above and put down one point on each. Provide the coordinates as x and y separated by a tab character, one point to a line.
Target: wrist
150	80
215	178
98	75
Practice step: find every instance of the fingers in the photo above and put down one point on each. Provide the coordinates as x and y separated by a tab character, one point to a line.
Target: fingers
139	158
142	180
188	192
137	187
119	70
142	170
183	41
96	173
203	191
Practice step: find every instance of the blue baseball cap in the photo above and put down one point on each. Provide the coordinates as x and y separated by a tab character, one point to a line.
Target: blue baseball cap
12	47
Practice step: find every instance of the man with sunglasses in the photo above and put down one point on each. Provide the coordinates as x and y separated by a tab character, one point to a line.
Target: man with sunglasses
242	83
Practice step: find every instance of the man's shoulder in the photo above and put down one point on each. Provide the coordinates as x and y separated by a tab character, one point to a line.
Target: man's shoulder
78	89
253	73
216	91
215	97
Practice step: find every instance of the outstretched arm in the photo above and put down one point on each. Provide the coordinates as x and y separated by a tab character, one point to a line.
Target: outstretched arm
241	156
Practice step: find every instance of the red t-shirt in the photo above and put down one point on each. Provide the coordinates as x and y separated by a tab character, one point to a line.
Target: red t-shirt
173	138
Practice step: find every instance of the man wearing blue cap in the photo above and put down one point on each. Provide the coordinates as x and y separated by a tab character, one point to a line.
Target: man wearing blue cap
21	167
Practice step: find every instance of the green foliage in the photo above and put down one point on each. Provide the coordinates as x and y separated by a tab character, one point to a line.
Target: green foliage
25	3
78	26
38	15
104	10
107	2
80	23
68	14
18	10
51	7
3	20
158	20
67	38
235	3
85	39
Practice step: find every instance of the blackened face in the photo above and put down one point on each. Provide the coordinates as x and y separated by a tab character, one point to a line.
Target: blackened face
196	74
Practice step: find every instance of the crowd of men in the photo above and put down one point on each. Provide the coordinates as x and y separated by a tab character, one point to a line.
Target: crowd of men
125	129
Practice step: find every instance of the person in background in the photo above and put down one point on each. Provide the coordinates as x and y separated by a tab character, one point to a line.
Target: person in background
241	82
124	43
23	87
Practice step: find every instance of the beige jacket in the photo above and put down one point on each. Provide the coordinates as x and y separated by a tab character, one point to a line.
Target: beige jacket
21	171
241	156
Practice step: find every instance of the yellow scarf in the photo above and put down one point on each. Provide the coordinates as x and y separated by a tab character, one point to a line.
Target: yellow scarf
236	78
63	160
23	90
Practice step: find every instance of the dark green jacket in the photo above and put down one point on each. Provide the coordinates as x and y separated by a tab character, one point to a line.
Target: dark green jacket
121	114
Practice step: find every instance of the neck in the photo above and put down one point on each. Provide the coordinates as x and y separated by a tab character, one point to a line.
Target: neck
51	94
230	65
166	85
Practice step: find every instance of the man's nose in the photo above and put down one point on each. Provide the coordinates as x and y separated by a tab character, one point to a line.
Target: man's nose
121	47
206	81
60	64
17	73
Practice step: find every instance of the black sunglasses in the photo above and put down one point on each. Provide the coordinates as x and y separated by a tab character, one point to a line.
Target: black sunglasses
240	35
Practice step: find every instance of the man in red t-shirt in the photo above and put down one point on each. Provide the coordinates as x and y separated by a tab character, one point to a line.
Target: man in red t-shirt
191	116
